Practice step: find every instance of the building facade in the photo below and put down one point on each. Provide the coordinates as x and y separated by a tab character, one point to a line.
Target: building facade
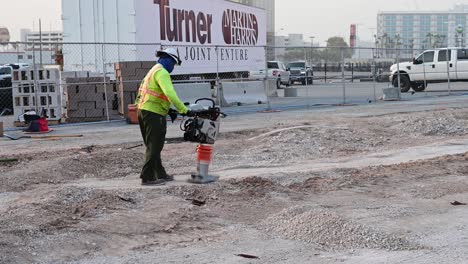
269	6
460	8
51	40
292	40
15	55
417	31
19	52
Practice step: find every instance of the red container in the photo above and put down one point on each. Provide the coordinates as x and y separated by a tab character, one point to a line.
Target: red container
132	116
43	125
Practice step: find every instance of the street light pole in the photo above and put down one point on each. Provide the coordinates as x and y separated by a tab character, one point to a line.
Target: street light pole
311	48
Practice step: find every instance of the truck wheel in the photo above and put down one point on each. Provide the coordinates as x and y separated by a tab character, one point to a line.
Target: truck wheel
405	83
418	87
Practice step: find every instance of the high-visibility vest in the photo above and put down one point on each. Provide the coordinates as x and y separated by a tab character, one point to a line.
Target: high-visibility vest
151	96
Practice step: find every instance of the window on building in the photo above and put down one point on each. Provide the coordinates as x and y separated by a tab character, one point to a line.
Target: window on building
30	57
442	24
20	57
443	55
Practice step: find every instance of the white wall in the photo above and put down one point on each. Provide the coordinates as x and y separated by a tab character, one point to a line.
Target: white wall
110	21
137	21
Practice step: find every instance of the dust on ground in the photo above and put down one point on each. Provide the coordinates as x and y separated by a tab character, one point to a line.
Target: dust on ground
85	205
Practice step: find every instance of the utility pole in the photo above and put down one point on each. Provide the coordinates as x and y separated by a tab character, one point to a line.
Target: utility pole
40	42
311	49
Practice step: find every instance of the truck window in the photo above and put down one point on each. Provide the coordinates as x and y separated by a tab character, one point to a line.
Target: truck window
297	65
462	54
272	65
443	55
4	71
428	56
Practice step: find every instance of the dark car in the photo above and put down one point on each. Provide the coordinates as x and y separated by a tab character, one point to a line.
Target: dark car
301	72
6	97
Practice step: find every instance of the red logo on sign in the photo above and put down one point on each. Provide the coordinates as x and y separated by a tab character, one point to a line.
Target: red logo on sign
240	28
184	25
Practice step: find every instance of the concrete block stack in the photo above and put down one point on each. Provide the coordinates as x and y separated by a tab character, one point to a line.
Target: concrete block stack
38	90
87	99
129	75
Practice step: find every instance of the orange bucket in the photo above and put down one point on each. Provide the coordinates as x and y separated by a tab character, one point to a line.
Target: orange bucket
132	116
204	153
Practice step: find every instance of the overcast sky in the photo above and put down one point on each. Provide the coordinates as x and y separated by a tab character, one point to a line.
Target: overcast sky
326	18
321	19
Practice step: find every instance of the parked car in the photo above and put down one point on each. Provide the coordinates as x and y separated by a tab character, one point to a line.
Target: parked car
432	66
6	72
276	70
301	72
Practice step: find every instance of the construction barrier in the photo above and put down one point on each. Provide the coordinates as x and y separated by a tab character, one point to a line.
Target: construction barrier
271	88
244	92
290	92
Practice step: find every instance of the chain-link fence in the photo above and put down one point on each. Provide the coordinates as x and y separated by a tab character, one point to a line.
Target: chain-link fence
83	82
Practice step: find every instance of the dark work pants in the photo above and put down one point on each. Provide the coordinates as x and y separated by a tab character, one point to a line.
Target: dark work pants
153	129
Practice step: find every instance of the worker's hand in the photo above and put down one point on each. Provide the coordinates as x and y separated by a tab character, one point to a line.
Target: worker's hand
191	113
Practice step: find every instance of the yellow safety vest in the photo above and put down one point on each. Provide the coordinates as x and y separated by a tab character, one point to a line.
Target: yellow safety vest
156	93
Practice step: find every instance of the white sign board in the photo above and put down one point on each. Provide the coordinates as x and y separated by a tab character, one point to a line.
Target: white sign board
196	28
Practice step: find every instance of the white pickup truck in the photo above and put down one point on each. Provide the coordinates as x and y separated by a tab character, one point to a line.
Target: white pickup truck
432	66
277	71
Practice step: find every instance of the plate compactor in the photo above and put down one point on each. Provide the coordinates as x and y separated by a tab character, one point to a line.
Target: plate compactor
203	129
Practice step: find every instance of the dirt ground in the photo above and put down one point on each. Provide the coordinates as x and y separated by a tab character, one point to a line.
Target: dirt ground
330	188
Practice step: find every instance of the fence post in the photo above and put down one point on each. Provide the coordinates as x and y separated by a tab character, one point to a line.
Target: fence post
104	70
218	95
265	80
17	48
424	74
35	73
449	57
374	72
326	60
306	77
398	72
343	75
219	89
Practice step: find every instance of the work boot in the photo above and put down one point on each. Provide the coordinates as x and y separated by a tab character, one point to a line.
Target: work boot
153	182
168	178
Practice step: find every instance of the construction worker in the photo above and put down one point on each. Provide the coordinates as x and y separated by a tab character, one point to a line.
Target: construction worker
154	100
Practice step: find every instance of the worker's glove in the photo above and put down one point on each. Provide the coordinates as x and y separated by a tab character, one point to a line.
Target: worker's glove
172	114
191	113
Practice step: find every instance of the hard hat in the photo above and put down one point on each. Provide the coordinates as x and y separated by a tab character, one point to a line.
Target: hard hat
173	53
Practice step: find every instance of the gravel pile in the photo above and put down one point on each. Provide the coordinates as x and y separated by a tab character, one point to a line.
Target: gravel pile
434	124
299	144
329	231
